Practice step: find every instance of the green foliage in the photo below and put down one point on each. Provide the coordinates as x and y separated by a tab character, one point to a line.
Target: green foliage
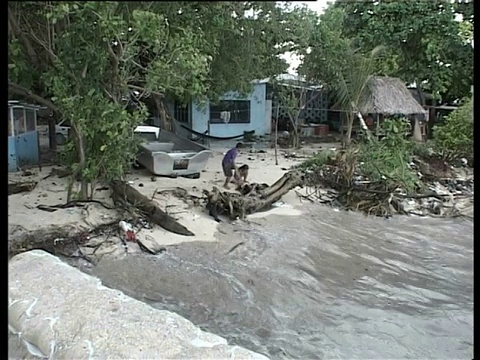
385	160
422	149
454	138
108	137
388	158
333	61
84	59
329	49
422	37
321	158
352	87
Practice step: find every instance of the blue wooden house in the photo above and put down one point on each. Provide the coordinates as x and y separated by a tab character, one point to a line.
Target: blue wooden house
234	114
23	144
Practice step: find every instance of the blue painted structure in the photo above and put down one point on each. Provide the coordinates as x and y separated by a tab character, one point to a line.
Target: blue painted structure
260	114
263	101
23	144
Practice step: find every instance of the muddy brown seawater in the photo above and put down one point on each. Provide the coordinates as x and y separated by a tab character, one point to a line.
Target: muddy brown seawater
326	284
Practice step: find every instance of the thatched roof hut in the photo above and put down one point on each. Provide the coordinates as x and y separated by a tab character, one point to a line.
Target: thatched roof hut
390	96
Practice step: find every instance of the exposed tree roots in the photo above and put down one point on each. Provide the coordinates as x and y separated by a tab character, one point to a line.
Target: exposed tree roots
57	240
336	183
252	197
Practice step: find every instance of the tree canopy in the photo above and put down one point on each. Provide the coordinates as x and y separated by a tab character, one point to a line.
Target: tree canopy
92	61
425	40
188	49
84	60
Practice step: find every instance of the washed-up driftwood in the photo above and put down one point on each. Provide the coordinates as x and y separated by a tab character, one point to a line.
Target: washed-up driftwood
126	193
65	240
252	198
57	240
340	183
19	187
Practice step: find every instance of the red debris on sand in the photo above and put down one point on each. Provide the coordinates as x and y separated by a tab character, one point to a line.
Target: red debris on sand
130	236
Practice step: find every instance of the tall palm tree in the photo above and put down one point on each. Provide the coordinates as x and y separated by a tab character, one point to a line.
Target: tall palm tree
352	87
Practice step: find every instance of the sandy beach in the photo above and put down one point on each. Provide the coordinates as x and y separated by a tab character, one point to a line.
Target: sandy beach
23	214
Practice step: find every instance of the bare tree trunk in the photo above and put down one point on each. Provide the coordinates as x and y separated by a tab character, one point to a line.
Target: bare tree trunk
294	137
19	187
237	205
348	134
165	119
158	107
80	149
364	125
416	127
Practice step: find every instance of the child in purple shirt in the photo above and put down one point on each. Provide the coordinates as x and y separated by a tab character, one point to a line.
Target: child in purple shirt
228	164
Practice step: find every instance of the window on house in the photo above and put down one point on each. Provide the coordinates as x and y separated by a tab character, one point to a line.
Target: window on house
18	121
182	112
30	119
239	112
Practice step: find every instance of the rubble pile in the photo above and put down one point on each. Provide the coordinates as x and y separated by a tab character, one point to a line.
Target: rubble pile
445	191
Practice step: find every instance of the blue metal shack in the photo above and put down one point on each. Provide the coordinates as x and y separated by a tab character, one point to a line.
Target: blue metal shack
23	143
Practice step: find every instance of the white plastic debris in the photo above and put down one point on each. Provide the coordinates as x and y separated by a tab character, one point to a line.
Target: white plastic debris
125	226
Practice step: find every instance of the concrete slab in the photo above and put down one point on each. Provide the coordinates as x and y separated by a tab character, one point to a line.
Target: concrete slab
60	312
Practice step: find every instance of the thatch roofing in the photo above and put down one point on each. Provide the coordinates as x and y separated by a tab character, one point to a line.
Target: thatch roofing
390	96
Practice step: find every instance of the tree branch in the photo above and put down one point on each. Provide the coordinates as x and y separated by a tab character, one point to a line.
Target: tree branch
20	90
135	87
18	32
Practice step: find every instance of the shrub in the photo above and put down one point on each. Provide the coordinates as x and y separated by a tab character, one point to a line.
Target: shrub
454	138
388	158
384	160
422	149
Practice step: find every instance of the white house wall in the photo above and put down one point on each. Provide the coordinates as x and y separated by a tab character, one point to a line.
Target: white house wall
258	109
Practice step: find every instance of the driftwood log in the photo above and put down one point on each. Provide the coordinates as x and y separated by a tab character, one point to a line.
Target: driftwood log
121	191
19	187
57	240
252	197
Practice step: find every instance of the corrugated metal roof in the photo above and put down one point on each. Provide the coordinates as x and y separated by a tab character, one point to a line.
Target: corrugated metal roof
287	79
19	103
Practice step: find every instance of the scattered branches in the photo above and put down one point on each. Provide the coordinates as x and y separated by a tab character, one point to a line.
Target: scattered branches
248	201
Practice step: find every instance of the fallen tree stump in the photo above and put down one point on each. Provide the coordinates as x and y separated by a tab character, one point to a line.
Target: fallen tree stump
126	193
252	197
19	187
57	240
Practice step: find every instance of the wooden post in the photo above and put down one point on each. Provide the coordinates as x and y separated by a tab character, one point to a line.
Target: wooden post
276	134
208	132
52	139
